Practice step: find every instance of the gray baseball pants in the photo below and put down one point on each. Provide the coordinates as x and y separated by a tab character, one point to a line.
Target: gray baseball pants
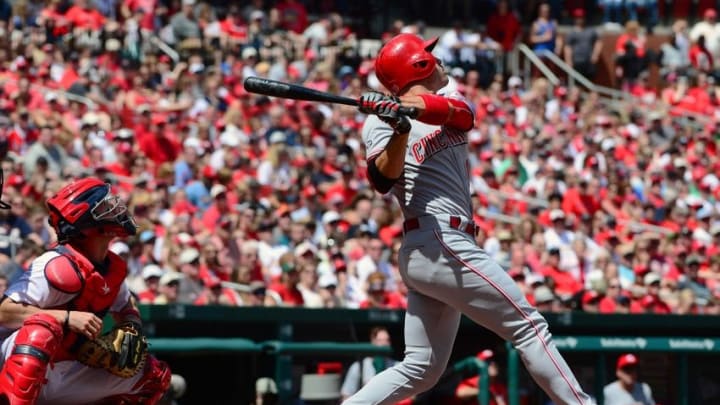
448	274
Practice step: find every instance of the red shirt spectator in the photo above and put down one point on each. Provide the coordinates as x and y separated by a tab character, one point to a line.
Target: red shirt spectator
146	8
293	15
504	27
234	27
159	145
83	16
700	57
290	295
385	300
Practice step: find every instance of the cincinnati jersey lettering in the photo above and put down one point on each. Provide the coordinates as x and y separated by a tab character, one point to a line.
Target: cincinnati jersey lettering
436	141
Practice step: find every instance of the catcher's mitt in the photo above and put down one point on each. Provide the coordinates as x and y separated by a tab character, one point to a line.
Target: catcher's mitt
122	351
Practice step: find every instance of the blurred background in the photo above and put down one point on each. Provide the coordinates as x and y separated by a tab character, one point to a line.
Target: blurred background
594	161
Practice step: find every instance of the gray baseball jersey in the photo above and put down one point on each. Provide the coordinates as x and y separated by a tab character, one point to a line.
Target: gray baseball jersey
447	274
436	179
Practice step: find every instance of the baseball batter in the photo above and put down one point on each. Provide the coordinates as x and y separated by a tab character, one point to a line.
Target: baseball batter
59	303
424	162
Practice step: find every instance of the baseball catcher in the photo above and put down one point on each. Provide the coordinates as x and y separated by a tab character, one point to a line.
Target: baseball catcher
51	318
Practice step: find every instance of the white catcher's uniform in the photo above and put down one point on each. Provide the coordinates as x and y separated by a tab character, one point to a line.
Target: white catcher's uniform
69	382
447	274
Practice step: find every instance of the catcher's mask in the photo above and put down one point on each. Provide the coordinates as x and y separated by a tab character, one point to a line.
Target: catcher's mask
87	207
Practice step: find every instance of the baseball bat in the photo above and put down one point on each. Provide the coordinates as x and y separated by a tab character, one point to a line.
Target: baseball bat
275	88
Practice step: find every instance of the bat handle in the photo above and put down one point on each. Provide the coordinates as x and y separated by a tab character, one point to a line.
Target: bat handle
410	112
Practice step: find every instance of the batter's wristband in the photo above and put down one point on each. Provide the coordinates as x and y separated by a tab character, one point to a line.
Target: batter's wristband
437	109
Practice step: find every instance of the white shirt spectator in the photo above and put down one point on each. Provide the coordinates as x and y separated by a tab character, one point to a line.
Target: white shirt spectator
711	32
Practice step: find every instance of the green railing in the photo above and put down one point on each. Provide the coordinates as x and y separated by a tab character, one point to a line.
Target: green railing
174	330
604	344
473	365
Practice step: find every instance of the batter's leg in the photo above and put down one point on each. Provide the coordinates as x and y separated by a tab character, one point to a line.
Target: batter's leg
483	291
430	329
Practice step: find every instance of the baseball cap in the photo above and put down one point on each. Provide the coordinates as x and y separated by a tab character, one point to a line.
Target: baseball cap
627	360
257	15
330	217
305	248
189	255
217	190
169	277
152	270
542	294
504	235
556	214
147	236
534	278
651	278
514	81
327	280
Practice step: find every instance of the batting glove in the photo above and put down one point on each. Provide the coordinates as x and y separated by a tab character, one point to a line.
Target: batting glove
373	102
400	124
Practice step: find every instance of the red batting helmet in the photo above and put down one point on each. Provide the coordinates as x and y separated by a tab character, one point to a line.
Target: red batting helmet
88	204
404	59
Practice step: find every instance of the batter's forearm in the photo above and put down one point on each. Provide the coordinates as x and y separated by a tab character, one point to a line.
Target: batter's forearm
391	161
435	109
13	314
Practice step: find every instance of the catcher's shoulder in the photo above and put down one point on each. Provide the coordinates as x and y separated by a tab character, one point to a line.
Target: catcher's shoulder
60	272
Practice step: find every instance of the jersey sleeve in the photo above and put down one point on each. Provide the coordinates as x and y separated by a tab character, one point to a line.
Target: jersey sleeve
33	287
121	300
376	135
454	94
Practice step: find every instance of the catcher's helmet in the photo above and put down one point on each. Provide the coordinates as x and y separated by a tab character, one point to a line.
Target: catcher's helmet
88	204
404	59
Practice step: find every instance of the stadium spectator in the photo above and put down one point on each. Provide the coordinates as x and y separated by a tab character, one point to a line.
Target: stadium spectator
185	27
171	132
632	56
379	297
191	285
543	33
151	275
707	28
612	10
287	286
583	46
650	7
504	27
675	54
169	286
468	389
361	371
627	389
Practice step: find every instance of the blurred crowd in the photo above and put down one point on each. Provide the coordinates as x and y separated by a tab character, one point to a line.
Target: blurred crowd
590	204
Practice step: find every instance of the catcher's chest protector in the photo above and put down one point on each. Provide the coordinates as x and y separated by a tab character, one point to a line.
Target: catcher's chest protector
97	294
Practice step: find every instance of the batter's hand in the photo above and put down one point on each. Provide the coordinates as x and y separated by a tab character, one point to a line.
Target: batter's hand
401	123
373	102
